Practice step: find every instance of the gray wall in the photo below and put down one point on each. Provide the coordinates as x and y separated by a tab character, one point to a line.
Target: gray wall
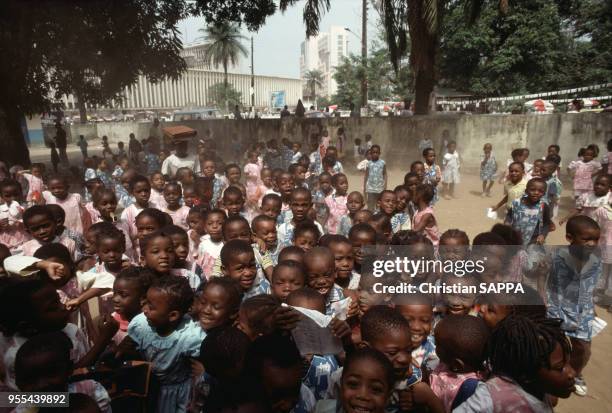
398	137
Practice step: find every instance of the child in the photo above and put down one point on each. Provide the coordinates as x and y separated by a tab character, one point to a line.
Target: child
252	173
271	205
514	187
184	176
210	246
433	175
402	218
324	190
140	189
285	184
361	236
124	198
55	159
367	380
218	303
354	203
215	185
573	274
157	190
196	219
418	311
238	263
129	292
488	168
300	202
337	202
122	165
183	265
288	276
71	203
424	220
461	344
267	182
344	259
382	225
232	174
583	172
264	228
173	195
530	215
553	186
530	362
102	173
306	235
40	223
35	183
168	337
233	202
291	253
587	204
451	162
256	316
375	178
12	231
320	268
299	175
296	147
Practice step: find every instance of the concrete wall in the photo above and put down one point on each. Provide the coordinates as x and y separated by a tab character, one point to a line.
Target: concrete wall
398	137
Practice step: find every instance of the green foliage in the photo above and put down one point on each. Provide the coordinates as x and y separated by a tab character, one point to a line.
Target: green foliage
314	80
218	94
223	45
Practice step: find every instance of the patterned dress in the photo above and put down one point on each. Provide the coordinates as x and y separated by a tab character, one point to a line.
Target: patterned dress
488	170
583	175
451	168
432	177
337	209
530	220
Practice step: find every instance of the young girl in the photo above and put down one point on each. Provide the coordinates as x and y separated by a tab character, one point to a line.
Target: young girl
157	190
354	203
451	176
583	172
530	215
529	360
168	338
218	303
35	183
515	186
103	173
13	233
402	219
337	202
129	291
488	168
148	221
210	246
323	190
252	172
140	189
77	219
424	220
183	265
433	175
173	195
587	204
375	178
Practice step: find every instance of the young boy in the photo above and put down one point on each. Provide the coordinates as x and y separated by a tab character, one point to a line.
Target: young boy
264	228
361	235
573	275
271	205
288	276
238	263
41	224
300	201
375	178
321	275
306	235
233	202
285	184
341	247
553	186
354	203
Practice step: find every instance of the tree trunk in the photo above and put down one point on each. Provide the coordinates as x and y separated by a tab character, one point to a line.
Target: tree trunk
82	110
14	149
225	84
424	82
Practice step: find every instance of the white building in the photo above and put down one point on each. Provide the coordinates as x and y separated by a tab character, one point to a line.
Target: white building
193	54
324	52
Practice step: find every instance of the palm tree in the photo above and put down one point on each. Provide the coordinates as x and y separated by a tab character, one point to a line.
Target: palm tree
314	79
223	45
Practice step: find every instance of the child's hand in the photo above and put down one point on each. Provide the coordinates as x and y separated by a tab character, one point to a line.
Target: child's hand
197	368
540	240
4	223
73	305
54	269
420	394
353	309
260	243
108	328
339	328
286	318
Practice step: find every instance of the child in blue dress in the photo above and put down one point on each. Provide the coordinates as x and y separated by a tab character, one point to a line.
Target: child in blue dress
530	215
488	168
166	336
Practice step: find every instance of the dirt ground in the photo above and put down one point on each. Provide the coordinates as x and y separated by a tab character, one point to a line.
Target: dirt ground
467	212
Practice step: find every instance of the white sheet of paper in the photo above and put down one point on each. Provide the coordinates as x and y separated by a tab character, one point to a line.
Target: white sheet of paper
491	214
312	334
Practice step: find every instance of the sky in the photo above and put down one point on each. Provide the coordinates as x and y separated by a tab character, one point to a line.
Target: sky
277	43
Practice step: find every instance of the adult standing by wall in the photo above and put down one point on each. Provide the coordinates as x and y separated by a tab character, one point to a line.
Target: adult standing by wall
61	142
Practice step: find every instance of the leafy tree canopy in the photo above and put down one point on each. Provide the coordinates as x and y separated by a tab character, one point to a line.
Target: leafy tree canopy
219	93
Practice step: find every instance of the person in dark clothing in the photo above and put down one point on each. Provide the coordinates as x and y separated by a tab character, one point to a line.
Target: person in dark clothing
61	142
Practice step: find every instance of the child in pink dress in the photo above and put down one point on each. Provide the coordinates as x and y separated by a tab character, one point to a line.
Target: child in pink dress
140	189
35	183
583	172
58	194
252	173
336	202
603	216
424	220
12	231
173	195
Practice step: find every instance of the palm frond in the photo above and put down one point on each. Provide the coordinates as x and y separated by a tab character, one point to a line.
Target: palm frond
430	12
394	14
313	12
223	44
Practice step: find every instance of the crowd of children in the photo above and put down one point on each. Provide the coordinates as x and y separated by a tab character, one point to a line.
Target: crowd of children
199	272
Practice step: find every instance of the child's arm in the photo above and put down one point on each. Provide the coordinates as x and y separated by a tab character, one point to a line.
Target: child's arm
365	179
428	221
546	226
420	395
573	213
500	203
108	329
87	295
385	175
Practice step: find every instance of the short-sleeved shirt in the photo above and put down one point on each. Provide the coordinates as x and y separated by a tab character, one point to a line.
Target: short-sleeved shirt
514	191
376	178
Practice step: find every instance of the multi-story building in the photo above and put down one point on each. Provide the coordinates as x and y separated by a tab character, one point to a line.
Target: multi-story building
324	52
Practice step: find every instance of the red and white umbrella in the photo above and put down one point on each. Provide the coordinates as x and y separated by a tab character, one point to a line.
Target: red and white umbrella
540	105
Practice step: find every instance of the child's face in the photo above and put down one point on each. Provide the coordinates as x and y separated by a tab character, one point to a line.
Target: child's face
10	194
387	203
493	313
453	249
430	157
281	386
126	298
300	204
559	379
396	345
285	184
58	188
214	309
307	240
411	183
159	255
180	242
266	177
547	171
233	203
375	153
196	223
585	238
145	225
364	388
535	191
266	231
110	251
142	192
242	268
107	205
172	195
214	225
342	185
237	230
344	259
50	313
401	197
487	148
157	310
233	175
451	147
36	171
458	304
190	197
601	186
286	280
354	202
325	184
271	208
300	174
418	169
321	274
588	155
419	316
552	150
515	173
208	169
158	182
42	228
360	240
295	148
186	177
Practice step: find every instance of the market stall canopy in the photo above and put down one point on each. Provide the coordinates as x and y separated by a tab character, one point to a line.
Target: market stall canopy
179	132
